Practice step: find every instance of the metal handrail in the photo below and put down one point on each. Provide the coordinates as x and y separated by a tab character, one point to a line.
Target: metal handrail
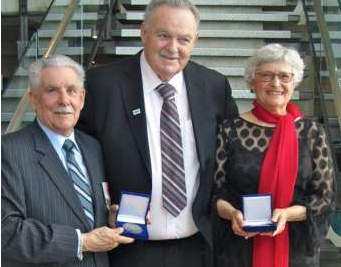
19	113
330	59
38	27
98	42
319	88
317	76
21	56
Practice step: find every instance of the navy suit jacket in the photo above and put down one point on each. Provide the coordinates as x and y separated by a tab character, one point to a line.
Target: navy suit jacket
114	91
40	209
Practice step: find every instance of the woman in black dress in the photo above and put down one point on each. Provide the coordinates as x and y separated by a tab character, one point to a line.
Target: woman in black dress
273	149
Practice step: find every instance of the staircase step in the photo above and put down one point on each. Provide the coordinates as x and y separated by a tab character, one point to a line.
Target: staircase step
252	34
219	2
86	16
68	33
328	17
82	2
69	51
261	17
332	34
6	116
325	73
335	47
325	3
329	251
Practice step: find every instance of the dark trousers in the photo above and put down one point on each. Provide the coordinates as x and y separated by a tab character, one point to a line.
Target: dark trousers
186	252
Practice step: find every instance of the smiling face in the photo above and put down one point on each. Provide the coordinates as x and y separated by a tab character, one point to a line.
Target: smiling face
169	38
274	95
59	99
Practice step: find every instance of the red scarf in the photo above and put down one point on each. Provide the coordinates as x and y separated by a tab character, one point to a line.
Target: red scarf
277	177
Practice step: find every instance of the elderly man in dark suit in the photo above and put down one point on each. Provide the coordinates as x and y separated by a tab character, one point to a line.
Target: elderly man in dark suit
53	210
156	115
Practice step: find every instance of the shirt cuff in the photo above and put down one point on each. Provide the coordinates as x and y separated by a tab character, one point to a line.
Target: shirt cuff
79	249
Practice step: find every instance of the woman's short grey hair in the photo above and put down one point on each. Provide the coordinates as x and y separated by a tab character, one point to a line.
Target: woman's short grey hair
36	68
274	53
186	4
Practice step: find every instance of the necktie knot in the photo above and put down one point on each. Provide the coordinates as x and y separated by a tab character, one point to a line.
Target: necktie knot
68	145
166	90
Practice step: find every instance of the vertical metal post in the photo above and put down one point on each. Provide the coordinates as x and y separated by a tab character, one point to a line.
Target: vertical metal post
23	39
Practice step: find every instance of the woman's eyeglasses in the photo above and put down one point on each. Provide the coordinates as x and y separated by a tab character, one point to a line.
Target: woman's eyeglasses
268	76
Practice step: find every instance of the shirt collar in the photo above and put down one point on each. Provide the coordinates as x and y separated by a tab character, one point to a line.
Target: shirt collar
57	140
151	81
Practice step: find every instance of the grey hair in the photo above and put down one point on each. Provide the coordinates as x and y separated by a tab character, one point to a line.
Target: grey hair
274	53
186	4
36	68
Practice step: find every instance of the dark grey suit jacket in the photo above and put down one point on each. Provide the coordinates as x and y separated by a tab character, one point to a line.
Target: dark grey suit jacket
115	90
40	209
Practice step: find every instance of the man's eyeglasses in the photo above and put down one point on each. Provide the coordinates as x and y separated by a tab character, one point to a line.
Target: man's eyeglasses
267	76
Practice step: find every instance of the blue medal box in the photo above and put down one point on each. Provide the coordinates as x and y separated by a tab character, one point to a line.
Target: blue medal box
131	215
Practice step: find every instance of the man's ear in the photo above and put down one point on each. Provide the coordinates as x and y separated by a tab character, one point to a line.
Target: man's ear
196	38
32	98
83	96
143	32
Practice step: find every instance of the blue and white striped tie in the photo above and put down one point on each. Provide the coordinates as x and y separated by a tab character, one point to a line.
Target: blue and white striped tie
173	171
80	181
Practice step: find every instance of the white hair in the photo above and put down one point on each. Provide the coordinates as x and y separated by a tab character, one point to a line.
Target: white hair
36	68
274	53
186	4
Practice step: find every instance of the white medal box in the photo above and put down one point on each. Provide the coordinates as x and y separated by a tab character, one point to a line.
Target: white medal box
258	213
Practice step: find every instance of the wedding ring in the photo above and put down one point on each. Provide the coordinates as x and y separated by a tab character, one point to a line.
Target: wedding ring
246	237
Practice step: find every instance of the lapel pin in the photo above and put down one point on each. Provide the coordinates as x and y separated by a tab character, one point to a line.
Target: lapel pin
136	112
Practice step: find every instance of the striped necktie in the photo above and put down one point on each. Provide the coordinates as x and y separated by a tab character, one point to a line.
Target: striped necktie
173	174
80	181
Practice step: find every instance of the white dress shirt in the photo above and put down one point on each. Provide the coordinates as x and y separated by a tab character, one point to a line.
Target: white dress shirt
163	224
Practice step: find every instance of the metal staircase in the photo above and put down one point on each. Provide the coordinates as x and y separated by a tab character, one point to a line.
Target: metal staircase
229	32
77	42
102	31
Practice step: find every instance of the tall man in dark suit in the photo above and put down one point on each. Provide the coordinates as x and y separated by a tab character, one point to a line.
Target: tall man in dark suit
124	109
53	210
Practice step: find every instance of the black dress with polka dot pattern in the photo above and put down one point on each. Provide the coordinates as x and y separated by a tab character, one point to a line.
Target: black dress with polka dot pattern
241	149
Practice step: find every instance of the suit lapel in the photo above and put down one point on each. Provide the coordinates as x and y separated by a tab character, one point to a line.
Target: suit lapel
52	165
132	92
199	106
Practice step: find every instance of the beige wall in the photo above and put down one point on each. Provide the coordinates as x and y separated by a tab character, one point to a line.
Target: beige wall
12	6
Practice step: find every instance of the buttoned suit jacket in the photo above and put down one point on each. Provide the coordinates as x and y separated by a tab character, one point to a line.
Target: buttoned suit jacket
40	209
115	114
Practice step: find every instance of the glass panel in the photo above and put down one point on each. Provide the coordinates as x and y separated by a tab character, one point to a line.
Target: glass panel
77	42
332	16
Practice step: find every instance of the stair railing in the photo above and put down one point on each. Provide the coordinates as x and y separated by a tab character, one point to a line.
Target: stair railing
330	59
322	28
19	113
102	31
21	53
